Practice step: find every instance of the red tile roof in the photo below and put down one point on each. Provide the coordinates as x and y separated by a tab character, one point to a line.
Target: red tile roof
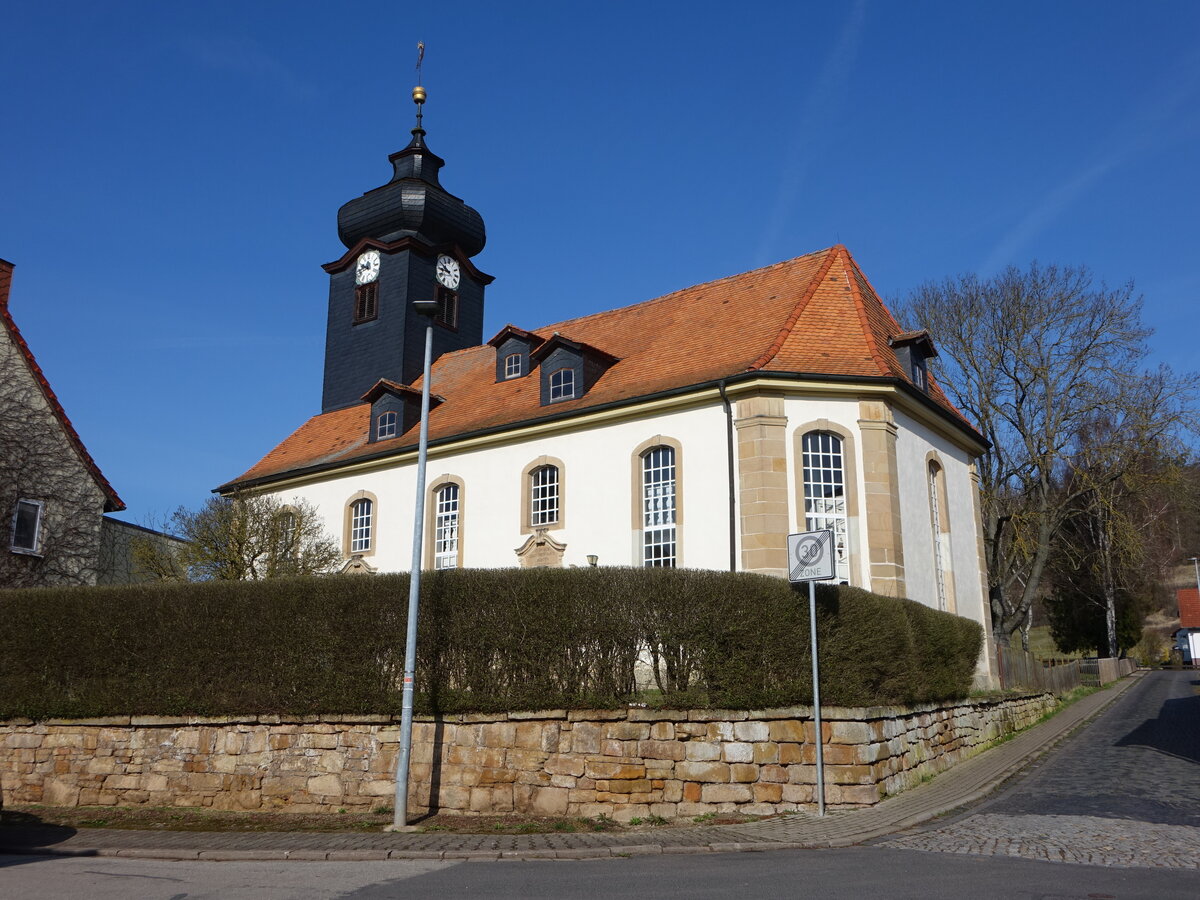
112	503
816	315
1189	607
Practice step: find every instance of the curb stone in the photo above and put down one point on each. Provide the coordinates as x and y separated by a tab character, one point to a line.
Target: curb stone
961	785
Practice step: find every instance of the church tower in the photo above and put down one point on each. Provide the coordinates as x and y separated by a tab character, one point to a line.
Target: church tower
408	240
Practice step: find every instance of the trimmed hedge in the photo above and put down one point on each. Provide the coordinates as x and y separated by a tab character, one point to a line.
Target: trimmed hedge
489	640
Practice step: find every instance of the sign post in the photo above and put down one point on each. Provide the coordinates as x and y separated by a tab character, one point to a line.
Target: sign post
811	558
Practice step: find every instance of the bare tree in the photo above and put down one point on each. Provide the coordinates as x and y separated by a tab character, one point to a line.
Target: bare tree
243	537
1035	358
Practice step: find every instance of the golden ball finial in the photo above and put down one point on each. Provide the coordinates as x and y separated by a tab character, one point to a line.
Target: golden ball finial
418	94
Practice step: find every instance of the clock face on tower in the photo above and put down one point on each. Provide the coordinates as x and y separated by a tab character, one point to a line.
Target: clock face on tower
447	272
367	268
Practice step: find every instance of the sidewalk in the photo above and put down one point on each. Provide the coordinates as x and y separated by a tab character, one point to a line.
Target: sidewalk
965	783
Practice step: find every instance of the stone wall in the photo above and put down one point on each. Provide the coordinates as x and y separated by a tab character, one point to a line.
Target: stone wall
625	763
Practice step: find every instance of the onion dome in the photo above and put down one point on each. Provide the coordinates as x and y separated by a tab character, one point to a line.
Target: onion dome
413	203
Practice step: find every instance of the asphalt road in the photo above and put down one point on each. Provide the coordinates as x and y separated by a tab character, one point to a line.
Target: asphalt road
1111	813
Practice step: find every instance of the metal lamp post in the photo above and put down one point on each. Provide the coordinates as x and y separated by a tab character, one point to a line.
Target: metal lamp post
1195	561
428	309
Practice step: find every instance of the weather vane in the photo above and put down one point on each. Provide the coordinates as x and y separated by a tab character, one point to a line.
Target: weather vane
418	93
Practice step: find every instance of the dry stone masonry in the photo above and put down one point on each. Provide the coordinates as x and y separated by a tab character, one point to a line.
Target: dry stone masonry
623	764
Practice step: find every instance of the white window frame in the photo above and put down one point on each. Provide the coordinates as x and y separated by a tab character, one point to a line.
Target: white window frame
446	526
826	492
660	507
512	366
544	496
362	513
562	384
386	425
36	546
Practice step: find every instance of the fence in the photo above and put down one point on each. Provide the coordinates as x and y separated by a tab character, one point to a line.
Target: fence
1099	672
1020	669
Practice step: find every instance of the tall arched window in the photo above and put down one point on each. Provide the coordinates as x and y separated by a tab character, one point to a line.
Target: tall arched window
445	527
938	522
825	493
361	514
543	496
658	507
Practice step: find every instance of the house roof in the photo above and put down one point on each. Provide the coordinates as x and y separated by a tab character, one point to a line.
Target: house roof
815	315
112	503
1189	607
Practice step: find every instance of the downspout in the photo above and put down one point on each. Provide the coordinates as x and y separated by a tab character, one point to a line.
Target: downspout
732	494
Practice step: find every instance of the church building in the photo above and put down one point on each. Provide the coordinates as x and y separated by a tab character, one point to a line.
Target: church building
695	429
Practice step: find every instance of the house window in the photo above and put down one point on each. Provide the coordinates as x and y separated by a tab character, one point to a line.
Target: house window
512	365
920	374
445	534
658	507
543	487
366	302
936	522
825	493
360	525
447	313
562	385
387	426
27	527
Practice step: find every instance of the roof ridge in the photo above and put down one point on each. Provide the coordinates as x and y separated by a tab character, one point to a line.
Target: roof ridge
861	307
798	310
664	297
56	408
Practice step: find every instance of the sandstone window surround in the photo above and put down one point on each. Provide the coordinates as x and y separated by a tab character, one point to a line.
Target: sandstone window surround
543	495
359	524
939	527
657	502
827	488
445	507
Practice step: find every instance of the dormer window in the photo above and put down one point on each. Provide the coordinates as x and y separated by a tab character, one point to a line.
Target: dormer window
512	366
386	426
513	348
913	349
562	385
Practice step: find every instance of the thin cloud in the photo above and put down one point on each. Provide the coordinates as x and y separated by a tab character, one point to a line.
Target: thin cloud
1150	126
241	55
819	104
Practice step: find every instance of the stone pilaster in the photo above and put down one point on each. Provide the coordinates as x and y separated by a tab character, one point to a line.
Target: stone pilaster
763	483
881	486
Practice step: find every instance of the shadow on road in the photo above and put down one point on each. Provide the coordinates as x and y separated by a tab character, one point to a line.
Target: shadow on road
25	833
1175	731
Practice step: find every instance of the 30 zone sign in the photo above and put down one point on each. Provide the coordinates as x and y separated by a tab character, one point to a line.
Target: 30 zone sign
810	556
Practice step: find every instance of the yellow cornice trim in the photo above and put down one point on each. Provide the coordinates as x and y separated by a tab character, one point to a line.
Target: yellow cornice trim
698	397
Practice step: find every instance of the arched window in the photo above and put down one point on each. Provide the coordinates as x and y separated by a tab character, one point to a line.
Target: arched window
658	507
938	522
386	426
825	493
361	514
543	496
562	385
512	365
445	527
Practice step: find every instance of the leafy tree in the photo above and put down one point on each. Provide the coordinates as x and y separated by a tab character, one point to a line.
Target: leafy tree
1035	358
241	537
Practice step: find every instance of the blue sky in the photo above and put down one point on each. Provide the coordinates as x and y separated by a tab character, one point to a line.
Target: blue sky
171	174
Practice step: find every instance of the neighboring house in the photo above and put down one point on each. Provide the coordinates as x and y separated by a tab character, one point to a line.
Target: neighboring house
697	429
117	559
52	493
1187	637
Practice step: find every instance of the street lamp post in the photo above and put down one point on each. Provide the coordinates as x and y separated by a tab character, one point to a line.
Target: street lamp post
426	308
1195	561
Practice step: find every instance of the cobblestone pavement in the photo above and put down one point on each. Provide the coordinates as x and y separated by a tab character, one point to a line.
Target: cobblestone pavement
1123	792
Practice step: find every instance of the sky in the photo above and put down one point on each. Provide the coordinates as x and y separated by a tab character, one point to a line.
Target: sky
170	175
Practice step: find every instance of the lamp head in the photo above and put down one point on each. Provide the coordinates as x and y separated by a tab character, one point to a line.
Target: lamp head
426	307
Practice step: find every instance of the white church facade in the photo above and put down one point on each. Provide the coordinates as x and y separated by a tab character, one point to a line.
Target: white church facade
694	430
